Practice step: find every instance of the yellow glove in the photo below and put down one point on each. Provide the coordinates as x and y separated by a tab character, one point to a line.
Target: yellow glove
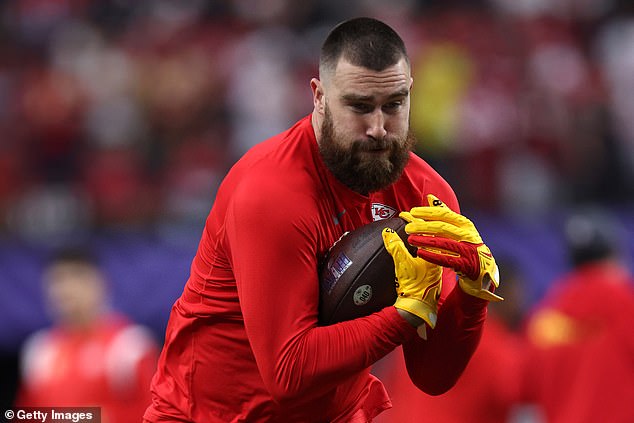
449	239
418	282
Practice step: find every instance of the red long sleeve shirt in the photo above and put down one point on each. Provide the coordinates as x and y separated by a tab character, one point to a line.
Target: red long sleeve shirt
242	342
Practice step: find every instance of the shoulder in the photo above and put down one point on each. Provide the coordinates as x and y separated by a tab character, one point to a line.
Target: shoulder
421	176
282	149
279	173
418	169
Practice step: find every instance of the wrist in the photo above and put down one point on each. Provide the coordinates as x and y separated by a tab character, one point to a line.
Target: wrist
470	304
410	318
420	308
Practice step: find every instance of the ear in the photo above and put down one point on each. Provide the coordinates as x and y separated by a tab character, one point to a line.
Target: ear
319	99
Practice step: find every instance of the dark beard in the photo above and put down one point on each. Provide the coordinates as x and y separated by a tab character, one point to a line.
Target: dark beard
363	176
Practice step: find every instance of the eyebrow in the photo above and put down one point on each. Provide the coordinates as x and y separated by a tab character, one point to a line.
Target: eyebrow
351	98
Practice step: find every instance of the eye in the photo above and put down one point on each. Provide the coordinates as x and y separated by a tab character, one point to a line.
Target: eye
361	107
393	106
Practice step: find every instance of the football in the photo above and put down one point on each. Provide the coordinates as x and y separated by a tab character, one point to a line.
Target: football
357	274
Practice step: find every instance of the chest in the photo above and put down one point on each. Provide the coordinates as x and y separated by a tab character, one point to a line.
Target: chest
339	216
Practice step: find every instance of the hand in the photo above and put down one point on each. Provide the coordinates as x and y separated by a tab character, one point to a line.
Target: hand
418	282
449	239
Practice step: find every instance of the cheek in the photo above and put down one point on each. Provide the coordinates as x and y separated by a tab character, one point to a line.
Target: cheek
346	127
345	134
398	124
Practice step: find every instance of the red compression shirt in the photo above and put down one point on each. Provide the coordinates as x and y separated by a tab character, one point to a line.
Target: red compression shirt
242	342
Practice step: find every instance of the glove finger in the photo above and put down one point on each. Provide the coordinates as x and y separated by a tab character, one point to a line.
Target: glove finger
438	210
441	259
434	201
483	291
405	264
489	296
443	214
442	229
469	259
406	216
443	245
394	244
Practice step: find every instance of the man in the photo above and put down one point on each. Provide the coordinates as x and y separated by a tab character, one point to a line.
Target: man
91	357
242	343
581	355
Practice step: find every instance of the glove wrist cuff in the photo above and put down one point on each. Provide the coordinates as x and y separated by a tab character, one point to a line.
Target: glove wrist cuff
422	309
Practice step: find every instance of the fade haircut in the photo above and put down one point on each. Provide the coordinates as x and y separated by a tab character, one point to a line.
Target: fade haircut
364	42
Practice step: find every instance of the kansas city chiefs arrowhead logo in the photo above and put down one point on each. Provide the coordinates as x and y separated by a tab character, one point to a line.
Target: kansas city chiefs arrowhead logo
381	211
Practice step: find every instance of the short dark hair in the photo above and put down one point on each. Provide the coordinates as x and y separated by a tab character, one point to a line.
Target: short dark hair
73	254
591	234
364	42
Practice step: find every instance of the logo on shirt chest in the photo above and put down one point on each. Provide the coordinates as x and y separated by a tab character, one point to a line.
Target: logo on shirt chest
381	211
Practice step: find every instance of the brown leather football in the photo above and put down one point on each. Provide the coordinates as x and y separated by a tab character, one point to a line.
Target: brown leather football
357	274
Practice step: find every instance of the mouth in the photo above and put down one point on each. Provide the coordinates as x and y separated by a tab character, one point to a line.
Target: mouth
377	147
377	151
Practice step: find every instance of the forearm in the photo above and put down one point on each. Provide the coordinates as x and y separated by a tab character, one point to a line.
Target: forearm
436	364
324	356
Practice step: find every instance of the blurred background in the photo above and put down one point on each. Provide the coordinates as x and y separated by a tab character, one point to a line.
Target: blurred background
119	118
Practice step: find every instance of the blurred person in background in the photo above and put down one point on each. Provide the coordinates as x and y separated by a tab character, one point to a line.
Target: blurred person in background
581	356
91	356
481	394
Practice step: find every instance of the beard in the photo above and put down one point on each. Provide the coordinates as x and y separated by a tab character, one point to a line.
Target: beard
358	166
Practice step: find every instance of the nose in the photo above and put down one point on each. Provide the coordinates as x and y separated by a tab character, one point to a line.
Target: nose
376	125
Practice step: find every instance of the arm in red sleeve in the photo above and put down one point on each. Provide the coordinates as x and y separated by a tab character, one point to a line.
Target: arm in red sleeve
434	365
272	243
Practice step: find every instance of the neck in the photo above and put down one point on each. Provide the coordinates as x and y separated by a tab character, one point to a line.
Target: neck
315	121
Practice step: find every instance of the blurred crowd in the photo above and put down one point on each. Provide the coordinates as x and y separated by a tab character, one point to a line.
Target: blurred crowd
120	113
